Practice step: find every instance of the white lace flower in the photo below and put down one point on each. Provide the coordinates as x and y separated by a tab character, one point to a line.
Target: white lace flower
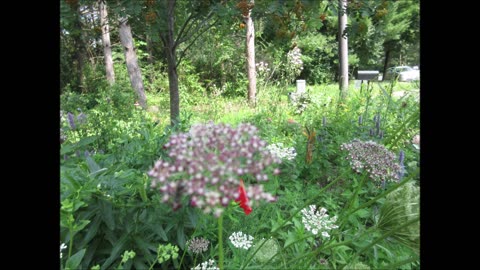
318	221
207	265
284	153
241	240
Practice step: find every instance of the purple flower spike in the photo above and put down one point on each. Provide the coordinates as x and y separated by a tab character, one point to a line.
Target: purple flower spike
71	120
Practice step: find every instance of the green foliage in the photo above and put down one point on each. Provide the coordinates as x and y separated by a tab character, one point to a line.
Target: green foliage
319	55
401	207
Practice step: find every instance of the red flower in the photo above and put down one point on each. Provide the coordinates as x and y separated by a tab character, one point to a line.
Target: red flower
243	199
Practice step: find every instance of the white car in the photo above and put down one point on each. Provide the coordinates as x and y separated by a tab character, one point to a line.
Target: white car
403	73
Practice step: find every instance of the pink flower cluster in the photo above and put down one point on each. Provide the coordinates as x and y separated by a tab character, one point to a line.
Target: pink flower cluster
375	159
206	165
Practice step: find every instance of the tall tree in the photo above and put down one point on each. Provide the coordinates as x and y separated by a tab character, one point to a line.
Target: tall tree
170	48
78	37
196	17
133	68
246	8
107	47
342	48
395	21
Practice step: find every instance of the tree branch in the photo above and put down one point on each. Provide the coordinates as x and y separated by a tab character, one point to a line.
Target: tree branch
193	41
183	28
189	34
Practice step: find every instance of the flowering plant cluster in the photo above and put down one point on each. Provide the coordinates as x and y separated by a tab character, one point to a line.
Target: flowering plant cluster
284	153
318	221
206	164
198	245
262	68
207	265
299	100
294	62
380	163
241	240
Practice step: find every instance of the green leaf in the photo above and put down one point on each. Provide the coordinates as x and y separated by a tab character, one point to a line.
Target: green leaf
67	148
92	165
92	230
181	237
363	213
158	230
118	247
82	224
74	261
107	214
291	237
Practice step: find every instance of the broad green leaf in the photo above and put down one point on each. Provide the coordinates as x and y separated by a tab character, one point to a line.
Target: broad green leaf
92	230
92	165
181	237
107	214
74	261
158	230
363	213
118	247
82	224
291	237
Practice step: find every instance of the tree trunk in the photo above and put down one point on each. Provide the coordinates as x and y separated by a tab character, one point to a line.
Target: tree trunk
343	48
80	45
252	79
149	49
172	64
134	70
107	49
387	62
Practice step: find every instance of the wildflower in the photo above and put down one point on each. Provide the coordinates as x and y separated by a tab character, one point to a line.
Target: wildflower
207	265
243	199
375	159
206	165
71	120
198	245
62	247
284	153
318	221
241	240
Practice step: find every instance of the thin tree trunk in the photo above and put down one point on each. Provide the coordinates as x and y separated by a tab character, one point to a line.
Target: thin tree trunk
343	49
149	49
107	49
80	45
133	68
172	64
387	62
252	79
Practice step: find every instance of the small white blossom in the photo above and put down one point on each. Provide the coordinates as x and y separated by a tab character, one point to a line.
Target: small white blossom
62	247
241	240
284	153
207	265
318	221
